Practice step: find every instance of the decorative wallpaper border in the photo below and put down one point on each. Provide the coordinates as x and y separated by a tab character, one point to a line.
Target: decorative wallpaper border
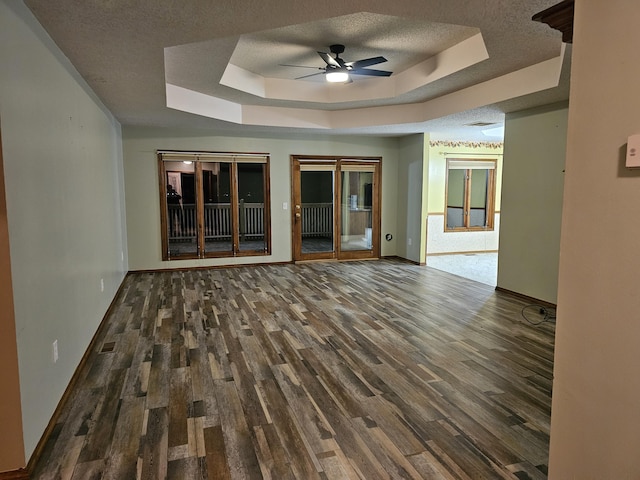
454	144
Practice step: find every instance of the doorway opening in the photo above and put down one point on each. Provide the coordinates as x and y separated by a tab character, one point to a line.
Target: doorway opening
463	230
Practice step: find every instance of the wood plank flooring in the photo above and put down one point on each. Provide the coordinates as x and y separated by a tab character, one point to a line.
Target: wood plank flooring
356	370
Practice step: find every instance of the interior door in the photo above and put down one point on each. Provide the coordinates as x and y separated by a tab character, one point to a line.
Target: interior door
335	208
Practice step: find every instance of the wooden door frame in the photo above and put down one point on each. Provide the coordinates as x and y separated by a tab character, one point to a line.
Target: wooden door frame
376	200
12	455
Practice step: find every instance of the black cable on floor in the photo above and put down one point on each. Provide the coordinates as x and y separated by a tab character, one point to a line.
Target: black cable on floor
532	314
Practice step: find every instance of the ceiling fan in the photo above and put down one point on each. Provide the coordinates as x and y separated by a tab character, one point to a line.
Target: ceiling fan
338	71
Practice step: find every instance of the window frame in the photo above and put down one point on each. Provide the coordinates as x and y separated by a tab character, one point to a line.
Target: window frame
468	165
198	159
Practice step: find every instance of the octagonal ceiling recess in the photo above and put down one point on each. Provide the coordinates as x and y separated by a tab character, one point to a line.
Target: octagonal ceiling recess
426	58
417	52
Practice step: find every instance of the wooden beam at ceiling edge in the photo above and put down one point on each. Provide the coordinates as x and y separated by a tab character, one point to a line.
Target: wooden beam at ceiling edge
558	17
20	474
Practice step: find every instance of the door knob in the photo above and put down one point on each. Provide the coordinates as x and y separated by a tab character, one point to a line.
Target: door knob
298	215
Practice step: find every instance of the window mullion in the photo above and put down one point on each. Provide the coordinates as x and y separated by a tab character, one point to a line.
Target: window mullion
337	209
467	199
164	211
491	195
199	210
235	222
267	208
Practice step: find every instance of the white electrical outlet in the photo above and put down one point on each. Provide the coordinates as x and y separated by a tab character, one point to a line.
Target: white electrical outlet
102	284
122	256
409	242
285	205
54	351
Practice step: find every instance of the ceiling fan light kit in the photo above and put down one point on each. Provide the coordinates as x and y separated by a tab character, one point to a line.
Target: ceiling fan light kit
337	77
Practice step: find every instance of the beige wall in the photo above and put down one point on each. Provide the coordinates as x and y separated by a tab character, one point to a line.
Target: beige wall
595	419
141	185
63	176
533	179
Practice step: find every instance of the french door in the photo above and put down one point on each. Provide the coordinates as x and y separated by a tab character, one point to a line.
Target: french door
335	208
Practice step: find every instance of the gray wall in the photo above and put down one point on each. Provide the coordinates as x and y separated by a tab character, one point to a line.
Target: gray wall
532	187
141	185
411	214
64	186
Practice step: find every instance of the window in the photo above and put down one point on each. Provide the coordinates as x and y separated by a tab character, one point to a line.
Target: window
214	204
470	195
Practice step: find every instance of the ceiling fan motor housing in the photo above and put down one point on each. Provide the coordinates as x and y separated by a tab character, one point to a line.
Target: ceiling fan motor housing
337	49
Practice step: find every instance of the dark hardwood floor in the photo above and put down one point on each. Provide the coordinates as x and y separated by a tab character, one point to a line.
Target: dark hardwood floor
363	370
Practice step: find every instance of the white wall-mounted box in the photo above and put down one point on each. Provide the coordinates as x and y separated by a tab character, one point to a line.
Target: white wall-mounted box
633	152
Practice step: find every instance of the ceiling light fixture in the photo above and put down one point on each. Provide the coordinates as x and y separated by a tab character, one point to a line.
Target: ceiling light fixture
337	77
187	162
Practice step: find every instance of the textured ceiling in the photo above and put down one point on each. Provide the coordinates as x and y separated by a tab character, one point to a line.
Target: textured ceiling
403	41
128	51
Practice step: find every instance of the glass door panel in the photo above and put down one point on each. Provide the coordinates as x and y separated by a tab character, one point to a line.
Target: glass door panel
356	226
317	195
251	207
218	225
313	209
182	232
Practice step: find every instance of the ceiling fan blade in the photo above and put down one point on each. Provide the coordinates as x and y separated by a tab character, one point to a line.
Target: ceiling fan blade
329	60
311	75
371	73
299	66
367	62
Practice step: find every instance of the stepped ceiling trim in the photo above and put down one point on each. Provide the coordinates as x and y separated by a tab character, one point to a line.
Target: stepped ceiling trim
528	80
